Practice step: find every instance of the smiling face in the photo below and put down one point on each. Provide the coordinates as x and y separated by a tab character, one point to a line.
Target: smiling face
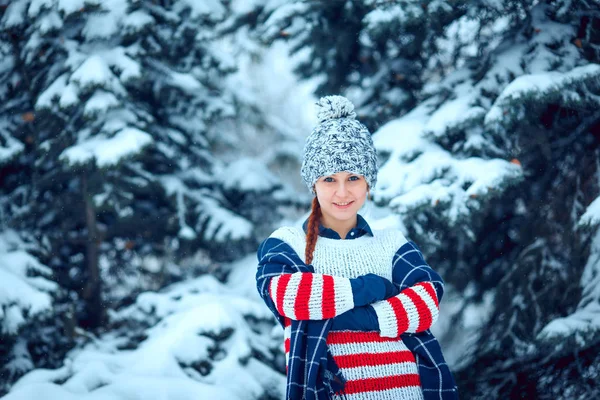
341	195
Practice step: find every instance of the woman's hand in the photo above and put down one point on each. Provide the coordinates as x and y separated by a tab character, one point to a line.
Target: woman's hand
358	319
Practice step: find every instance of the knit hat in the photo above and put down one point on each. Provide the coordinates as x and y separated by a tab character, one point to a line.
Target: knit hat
338	143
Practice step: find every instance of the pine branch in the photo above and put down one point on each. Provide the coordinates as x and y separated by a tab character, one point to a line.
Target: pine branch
581	129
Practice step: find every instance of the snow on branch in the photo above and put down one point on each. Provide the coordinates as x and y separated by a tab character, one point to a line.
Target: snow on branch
24	292
190	341
541	85
592	214
421	173
107	151
586	317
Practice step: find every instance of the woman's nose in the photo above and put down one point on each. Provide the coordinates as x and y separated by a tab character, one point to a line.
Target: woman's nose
341	189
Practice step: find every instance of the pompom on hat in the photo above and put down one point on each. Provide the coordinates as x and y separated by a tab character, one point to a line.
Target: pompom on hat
338	143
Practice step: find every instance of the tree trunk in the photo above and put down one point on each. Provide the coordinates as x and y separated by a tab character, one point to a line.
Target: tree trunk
92	291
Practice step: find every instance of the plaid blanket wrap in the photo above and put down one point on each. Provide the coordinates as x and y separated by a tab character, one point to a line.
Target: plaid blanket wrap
312	373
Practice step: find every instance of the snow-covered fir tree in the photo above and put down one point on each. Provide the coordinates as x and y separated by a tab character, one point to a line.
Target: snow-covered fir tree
114	177
195	339
128	154
380	53
499	162
492	166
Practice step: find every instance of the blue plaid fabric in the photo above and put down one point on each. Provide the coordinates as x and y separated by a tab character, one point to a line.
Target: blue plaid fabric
312	373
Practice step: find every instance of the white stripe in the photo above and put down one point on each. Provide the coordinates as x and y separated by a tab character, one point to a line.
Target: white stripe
408	393
315	303
291	292
421	291
411	311
379	371
287	332
273	289
368	347
343	298
388	323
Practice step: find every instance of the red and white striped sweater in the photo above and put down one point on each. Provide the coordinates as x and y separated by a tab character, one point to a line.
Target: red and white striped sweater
377	365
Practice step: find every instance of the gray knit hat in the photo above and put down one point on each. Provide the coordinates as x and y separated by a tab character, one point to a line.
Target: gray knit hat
338	143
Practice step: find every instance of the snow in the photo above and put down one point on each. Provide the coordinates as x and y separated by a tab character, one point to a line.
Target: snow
9	147
216	222
14	14
198	322
221	224
421	173
22	295
107	151
71	6
248	175
384	16
586	317
538	85
272	26
100	102
69	97
119	58
93	72
185	319
212	9
455	112
19	359
50	22
592	214
459	313
439	6
35	7
100	26
244	6
137	20
459	38
185	81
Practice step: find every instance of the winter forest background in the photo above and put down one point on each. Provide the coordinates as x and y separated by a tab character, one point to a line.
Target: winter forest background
147	147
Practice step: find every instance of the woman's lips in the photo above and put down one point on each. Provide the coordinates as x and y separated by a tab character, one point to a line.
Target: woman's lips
343	205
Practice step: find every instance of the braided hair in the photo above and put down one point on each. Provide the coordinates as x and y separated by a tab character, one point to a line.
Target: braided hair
312	231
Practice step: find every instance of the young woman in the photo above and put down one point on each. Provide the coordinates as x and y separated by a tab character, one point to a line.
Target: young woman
356	304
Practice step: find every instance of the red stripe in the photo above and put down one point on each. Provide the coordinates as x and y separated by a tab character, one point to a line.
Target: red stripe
380	384
286	345
282	285
328	307
303	296
287	322
424	311
372	359
401	315
343	337
429	288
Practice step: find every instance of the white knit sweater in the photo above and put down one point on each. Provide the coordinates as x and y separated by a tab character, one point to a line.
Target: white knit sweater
376	367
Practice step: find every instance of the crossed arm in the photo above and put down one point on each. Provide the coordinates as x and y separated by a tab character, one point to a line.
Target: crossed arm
368	303
414	310
315	296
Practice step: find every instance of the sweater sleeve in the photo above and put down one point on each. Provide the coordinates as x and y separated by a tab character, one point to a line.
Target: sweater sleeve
416	308
314	296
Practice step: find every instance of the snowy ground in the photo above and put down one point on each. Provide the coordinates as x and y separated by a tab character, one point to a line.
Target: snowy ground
199	346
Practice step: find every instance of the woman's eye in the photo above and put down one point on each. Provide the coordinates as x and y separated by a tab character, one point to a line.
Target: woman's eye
353	178
328	179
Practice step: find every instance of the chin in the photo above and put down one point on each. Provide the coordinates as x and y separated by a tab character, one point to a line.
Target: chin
344	215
